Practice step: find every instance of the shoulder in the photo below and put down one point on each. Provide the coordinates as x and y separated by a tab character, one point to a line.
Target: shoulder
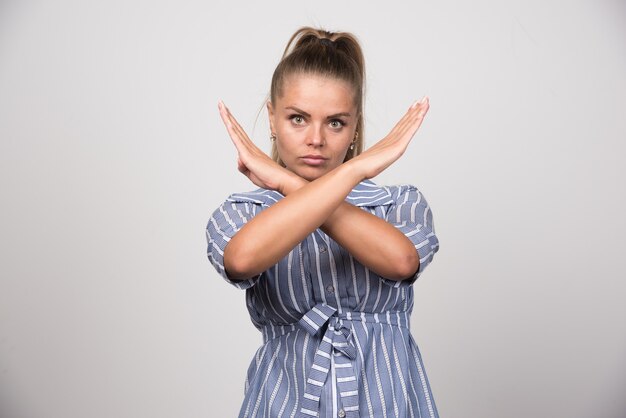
367	193
239	208
406	193
262	197
242	205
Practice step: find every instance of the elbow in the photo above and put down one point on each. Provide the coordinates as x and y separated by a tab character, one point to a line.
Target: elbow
406	265
238	266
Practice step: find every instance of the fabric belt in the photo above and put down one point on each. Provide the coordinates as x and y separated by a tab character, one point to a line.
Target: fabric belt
338	342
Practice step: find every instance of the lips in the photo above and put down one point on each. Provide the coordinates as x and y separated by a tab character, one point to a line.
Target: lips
313	159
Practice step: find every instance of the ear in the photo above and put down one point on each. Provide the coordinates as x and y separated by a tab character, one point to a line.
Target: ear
270	113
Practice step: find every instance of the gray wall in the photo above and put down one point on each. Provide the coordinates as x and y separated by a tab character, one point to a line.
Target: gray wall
113	156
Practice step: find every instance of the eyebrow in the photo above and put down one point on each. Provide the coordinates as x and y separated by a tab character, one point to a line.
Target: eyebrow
308	115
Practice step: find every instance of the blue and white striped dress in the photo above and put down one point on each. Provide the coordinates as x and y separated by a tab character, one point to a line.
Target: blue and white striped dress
336	336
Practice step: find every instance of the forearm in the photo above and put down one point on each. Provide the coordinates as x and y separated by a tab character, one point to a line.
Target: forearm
271	234
374	242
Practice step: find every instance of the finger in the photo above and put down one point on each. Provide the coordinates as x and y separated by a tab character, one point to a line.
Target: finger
223	114
416	120
234	129
399	130
407	119
245	147
245	139
234	135
404	120
419	103
422	109
416	113
246	142
407	127
237	127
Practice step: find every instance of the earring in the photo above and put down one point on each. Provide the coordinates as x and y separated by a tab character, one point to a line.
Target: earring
356	136
272	137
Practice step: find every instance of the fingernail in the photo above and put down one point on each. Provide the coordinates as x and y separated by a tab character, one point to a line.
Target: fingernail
424	100
414	104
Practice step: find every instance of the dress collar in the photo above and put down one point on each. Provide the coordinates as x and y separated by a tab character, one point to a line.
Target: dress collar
366	193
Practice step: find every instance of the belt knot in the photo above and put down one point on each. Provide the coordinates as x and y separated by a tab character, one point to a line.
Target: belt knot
337	334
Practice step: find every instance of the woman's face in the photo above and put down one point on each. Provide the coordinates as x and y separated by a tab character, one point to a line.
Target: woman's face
314	122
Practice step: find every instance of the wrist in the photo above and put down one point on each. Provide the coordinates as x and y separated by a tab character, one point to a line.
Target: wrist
352	170
292	183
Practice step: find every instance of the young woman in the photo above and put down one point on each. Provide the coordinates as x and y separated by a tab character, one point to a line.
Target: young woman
327	257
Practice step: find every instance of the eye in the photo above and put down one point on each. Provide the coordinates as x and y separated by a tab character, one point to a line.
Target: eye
297	119
337	124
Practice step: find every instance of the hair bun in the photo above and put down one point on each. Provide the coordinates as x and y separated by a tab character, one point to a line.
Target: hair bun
328	43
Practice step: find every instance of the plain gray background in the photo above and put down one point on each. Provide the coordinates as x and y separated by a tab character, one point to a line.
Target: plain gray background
113	156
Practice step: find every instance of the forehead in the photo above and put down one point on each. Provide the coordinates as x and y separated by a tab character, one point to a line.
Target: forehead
316	92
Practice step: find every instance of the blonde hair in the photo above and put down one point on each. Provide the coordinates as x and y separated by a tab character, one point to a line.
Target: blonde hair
330	54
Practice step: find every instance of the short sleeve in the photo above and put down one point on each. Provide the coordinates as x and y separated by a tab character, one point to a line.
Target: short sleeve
224	223
412	215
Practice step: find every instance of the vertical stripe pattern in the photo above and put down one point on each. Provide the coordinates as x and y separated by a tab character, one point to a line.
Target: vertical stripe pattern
336	336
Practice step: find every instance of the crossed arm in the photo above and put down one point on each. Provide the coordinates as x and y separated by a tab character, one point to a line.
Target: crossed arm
270	235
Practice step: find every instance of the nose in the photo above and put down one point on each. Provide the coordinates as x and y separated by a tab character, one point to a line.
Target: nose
315	137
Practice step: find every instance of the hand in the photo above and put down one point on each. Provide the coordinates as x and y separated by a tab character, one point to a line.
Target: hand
252	162
386	151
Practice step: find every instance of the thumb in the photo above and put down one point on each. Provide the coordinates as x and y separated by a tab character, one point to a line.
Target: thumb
241	166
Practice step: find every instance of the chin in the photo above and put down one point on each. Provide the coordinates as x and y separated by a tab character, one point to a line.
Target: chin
308	172
309	176
311	173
